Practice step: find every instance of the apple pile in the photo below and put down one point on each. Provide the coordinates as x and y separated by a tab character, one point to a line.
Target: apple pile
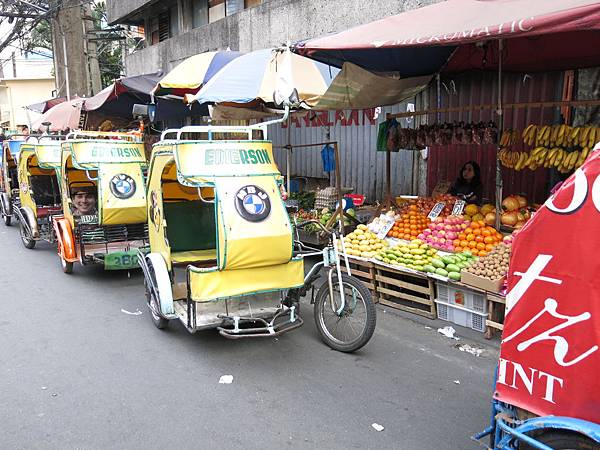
442	232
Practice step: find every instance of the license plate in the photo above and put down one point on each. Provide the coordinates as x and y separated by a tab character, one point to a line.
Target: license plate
121	260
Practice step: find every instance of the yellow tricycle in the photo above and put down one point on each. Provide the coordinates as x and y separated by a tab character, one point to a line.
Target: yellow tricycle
103	218
222	248
39	190
9	184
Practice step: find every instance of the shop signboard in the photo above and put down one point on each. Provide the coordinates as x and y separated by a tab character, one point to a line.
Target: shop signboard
550	355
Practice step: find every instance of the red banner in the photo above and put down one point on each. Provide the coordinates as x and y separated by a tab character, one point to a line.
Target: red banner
550	355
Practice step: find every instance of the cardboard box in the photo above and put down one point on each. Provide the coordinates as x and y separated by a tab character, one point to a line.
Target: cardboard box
481	283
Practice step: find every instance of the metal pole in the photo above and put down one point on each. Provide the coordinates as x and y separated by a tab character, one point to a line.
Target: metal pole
388	178
500	131
338	185
288	154
64	42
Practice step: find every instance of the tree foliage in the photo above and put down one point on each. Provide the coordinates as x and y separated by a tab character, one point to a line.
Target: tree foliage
20	18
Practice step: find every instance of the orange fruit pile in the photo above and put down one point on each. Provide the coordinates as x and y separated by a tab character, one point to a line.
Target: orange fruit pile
478	238
411	224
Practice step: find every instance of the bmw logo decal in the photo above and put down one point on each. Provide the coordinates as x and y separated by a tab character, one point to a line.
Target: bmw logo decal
252	203
122	186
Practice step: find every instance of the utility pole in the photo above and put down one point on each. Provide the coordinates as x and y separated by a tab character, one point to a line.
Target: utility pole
78	71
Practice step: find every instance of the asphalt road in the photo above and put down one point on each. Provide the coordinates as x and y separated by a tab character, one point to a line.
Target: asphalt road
78	372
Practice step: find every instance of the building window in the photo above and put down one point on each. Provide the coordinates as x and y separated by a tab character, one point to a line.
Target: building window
233	6
199	13
216	10
174	21
160	28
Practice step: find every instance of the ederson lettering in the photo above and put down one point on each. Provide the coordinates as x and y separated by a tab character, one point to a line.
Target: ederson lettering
234	156
115	152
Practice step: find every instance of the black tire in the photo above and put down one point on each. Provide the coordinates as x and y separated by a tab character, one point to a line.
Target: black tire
159	322
7	219
323	309
563	440
27	241
67	267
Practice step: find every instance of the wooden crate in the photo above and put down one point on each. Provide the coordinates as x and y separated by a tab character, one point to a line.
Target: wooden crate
495	321
407	291
365	272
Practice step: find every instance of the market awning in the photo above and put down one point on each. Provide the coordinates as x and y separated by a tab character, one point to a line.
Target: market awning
356	88
189	76
62	117
454	35
255	79
44	106
118	99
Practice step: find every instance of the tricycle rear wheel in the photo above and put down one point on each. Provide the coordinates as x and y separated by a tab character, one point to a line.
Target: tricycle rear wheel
7	219
28	241
354	326
67	266
562	440
159	322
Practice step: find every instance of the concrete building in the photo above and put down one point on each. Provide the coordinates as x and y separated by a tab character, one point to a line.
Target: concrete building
177	29
25	79
16	93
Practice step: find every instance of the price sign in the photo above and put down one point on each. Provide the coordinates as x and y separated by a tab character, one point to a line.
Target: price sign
436	210
382	225
459	206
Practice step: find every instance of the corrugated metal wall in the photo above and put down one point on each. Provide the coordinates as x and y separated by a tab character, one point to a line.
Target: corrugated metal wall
362	167
481	88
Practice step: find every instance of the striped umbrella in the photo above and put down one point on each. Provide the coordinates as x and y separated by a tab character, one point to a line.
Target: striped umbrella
258	78
191	74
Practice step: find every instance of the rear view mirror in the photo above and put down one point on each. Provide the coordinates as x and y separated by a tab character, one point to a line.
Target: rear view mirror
142	110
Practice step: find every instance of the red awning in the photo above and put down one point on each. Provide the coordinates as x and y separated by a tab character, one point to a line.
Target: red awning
455	35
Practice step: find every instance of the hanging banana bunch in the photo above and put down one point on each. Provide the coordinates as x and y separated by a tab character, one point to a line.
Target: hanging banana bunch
554	146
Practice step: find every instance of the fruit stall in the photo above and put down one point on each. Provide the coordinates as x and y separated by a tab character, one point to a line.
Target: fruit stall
419	257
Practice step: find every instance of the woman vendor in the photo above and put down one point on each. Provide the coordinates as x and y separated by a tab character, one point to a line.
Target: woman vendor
468	184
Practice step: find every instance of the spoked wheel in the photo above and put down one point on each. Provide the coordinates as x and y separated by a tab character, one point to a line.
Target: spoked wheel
349	329
159	322
27	240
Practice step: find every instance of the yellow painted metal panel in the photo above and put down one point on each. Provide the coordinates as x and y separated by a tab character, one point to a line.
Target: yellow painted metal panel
120	211
246	243
206	286
210	159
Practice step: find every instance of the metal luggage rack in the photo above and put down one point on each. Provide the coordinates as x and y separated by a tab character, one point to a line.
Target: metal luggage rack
100	234
212	129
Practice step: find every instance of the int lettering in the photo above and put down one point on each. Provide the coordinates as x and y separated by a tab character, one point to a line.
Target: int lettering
513	374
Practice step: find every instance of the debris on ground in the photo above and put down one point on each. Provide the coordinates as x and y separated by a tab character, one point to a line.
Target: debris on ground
456	381
469	349
377	427
226	379
448	332
137	312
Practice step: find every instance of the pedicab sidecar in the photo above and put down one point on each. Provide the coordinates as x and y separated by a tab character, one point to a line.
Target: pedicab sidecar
9	185
103	218
222	251
220	238
39	190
